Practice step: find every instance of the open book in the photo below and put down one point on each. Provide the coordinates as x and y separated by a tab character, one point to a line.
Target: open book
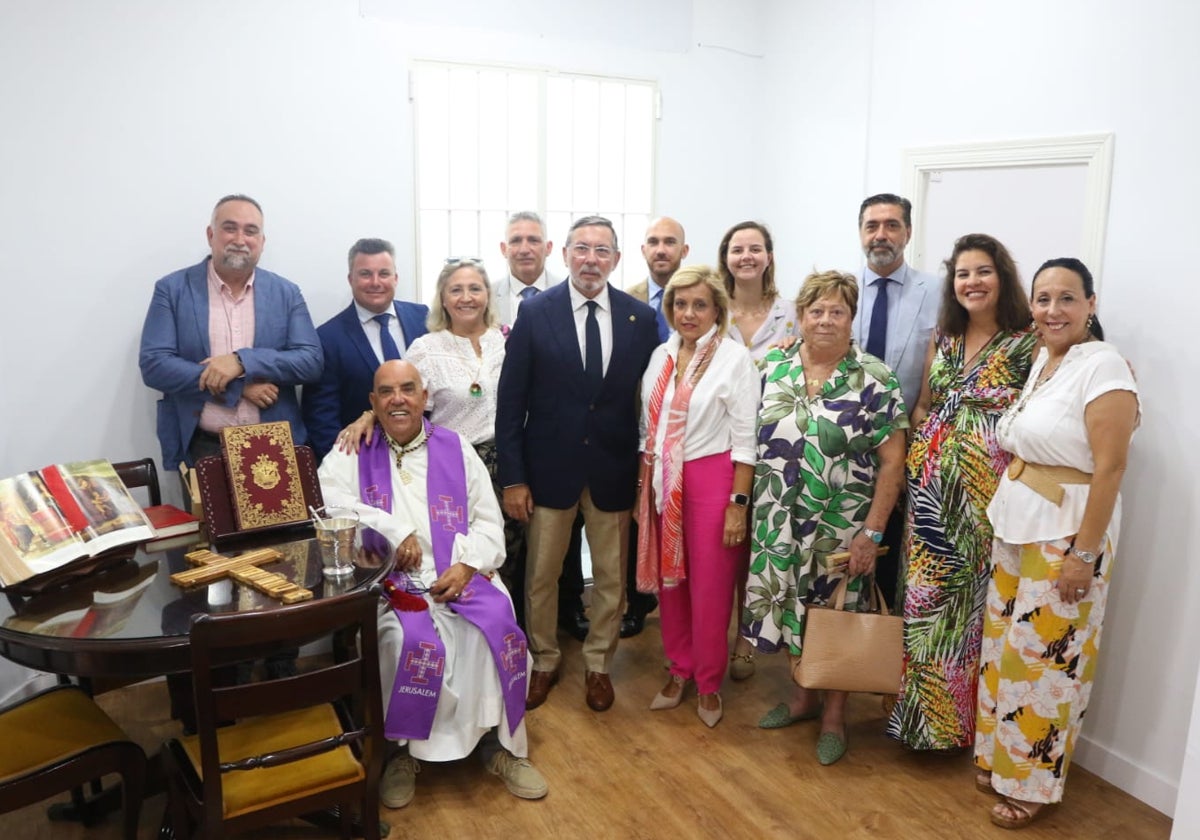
61	513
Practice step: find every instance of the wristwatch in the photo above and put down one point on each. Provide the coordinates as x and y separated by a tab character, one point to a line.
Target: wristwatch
1085	556
874	536
739	499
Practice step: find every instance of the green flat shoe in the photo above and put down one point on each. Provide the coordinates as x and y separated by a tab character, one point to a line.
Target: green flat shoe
830	748
781	716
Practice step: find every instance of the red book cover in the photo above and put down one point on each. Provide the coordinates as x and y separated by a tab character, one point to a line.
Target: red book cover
170	521
264	475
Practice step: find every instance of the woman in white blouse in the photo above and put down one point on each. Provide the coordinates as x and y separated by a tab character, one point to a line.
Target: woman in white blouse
1056	517
759	318
699	406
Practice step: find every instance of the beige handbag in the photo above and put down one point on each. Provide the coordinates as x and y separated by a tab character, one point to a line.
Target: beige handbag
852	651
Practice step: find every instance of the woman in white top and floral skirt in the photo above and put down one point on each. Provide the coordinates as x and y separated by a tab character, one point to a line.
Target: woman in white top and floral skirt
699	405
1056	517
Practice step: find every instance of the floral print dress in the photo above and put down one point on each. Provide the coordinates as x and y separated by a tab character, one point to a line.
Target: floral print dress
813	487
954	465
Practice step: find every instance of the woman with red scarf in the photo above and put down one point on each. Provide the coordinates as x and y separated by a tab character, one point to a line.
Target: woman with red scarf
700	402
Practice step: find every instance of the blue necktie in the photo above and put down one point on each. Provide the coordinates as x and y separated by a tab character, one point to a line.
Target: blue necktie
390	350
664	331
528	292
877	337
594	365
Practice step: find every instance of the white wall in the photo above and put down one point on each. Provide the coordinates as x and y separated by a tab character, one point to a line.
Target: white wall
125	121
897	75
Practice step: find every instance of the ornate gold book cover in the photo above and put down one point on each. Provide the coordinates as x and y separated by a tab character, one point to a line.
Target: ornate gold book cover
263	475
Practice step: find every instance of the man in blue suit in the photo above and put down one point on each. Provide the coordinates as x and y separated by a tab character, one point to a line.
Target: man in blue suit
567	440
226	342
373	329
898	308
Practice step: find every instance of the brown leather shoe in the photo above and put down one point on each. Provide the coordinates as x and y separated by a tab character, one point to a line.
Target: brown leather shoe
599	691
540	683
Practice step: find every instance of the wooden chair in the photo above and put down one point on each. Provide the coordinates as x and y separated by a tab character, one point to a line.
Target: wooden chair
141	473
296	747
58	740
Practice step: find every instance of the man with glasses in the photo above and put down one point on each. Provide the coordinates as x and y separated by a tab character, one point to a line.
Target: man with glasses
374	328
567	440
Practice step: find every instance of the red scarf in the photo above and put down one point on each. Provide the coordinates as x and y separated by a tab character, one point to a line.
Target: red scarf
660	557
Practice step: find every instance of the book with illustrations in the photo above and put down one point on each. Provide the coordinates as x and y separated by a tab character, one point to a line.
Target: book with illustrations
62	513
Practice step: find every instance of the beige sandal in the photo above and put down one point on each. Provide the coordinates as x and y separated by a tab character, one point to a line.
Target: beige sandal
1026	812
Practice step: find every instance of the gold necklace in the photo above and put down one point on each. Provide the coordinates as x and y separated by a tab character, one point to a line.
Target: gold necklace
400	451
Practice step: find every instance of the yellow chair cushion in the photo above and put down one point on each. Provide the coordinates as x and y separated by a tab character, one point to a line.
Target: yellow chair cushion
49	728
252	790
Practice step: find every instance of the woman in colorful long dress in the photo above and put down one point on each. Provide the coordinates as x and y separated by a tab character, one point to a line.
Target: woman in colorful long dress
830	469
978	360
1056	517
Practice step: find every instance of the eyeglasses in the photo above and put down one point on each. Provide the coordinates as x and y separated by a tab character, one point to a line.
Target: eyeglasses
581	251
463	261
411	586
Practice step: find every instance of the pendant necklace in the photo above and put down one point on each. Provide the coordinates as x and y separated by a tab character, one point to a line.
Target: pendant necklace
475	389
400	451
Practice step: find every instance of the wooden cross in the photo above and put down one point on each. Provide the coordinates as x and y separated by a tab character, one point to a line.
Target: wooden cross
244	569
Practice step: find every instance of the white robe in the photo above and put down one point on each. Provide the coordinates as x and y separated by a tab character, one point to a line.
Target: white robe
470	703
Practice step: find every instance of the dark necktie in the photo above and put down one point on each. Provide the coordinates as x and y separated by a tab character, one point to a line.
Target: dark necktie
877	337
528	292
386	342
664	331
594	366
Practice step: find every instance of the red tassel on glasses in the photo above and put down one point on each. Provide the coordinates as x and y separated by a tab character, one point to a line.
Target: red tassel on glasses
401	600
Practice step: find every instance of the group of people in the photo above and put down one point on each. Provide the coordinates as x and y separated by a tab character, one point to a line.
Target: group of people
731	453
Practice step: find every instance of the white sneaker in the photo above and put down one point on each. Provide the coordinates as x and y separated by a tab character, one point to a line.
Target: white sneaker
399	783
520	777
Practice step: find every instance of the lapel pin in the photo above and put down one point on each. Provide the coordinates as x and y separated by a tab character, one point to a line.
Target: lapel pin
632	317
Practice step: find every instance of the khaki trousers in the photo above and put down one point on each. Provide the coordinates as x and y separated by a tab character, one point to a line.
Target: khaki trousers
608	538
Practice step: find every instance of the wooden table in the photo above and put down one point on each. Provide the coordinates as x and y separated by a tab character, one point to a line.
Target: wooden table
127	622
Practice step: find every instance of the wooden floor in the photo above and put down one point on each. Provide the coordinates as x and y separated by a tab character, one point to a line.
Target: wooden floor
632	773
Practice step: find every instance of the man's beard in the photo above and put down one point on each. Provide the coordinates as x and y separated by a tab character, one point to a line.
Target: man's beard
882	256
237	260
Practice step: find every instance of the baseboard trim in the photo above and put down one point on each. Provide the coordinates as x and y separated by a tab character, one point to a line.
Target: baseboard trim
1157	792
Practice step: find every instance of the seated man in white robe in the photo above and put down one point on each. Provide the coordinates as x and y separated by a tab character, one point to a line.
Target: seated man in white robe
452	660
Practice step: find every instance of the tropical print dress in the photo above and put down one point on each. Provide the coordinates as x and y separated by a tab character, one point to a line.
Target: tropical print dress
954	465
813	486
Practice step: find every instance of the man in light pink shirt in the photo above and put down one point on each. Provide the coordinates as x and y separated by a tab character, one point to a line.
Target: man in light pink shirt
226	342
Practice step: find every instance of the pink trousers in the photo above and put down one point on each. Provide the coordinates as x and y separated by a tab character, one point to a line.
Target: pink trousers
695	614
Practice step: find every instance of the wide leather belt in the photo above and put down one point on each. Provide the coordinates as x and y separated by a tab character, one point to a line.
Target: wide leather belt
1046	481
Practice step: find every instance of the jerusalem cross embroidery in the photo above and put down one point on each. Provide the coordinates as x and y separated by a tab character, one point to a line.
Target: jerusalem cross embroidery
372	497
449	512
424	663
514	653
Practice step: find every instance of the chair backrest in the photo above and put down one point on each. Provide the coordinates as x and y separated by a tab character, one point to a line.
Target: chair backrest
350	684
140	473
216	495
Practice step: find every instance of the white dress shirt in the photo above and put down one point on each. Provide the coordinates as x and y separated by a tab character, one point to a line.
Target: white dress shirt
371	328
603	318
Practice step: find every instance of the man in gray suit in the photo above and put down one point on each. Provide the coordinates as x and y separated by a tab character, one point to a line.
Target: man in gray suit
526	247
897	310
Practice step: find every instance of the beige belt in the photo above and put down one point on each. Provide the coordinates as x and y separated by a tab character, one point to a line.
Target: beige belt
1044	480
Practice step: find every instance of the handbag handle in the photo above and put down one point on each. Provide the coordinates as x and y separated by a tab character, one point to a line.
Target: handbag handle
838	601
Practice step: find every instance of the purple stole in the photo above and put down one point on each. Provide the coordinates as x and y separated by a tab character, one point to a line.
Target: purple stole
414	696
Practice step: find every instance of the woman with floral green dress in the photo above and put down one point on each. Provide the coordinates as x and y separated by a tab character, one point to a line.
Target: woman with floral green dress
830	468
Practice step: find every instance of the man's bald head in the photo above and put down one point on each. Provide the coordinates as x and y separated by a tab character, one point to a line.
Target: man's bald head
398	399
664	248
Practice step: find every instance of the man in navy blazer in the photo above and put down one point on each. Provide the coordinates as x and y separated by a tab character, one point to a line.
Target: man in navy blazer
905	324
567	440
225	341
356	342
